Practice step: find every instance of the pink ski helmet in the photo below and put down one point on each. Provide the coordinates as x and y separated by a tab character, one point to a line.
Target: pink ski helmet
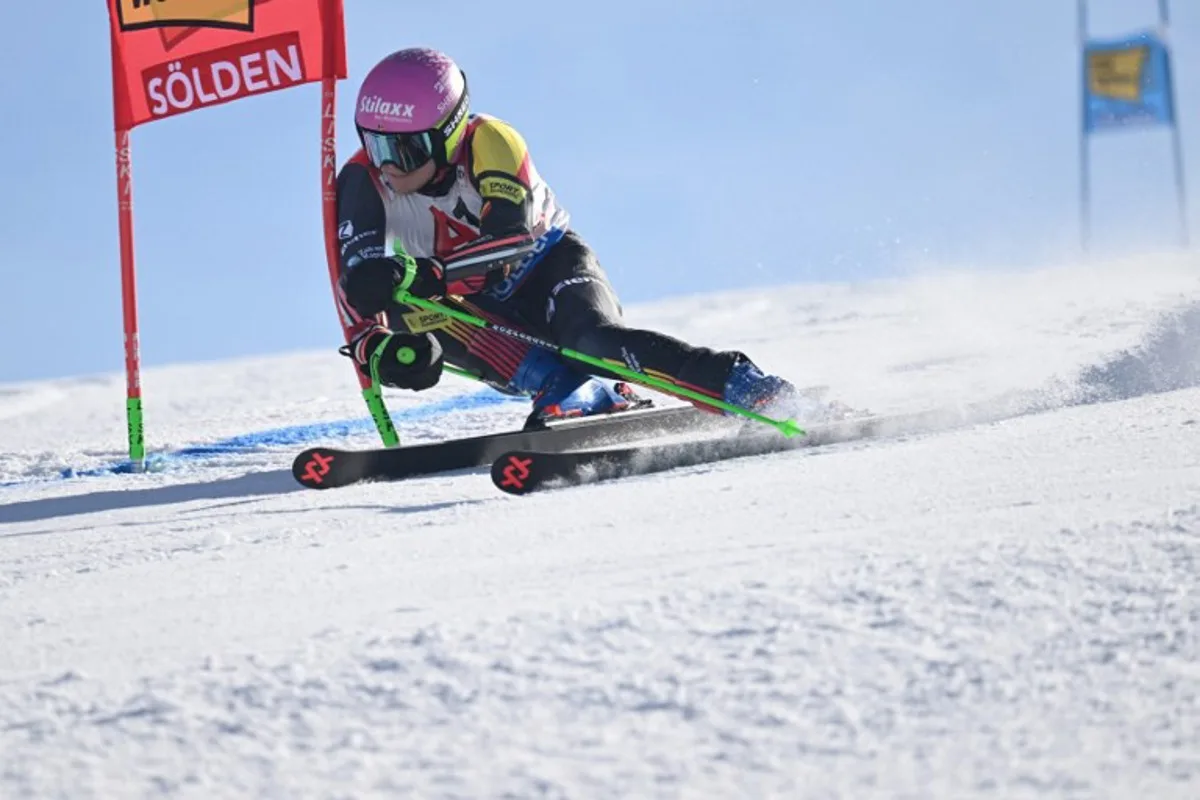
412	107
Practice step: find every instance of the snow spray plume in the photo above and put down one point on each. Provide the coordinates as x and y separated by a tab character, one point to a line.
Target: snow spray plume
1167	360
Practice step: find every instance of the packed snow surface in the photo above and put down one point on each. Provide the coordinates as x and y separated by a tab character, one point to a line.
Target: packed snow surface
1006	608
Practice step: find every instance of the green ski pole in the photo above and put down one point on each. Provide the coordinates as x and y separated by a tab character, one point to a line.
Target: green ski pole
373	394
383	421
787	427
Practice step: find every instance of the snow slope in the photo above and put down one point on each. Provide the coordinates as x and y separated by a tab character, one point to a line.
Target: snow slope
1006	609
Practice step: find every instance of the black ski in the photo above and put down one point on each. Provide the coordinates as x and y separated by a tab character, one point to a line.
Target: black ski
526	470
328	468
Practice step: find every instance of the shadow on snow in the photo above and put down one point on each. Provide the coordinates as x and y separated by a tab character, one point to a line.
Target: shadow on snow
250	485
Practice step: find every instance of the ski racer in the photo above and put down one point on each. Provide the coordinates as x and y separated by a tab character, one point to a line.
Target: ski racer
450	203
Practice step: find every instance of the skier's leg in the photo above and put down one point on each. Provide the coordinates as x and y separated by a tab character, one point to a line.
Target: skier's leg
511	366
570	300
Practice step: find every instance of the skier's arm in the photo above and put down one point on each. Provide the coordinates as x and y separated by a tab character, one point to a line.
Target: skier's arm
362	236
501	171
401	359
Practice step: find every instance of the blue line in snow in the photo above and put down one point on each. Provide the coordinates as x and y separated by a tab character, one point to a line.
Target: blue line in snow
292	436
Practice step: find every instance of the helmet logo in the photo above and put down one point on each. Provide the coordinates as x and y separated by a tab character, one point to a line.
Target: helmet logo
452	123
377	105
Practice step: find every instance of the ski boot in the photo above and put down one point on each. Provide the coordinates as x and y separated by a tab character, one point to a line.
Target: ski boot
772	396
560	392
748	387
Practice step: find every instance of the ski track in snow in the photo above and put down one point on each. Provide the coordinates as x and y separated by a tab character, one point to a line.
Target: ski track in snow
1006	609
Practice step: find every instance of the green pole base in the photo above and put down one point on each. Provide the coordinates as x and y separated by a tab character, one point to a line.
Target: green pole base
136	433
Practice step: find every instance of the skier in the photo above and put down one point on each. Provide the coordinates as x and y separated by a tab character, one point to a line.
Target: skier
449	201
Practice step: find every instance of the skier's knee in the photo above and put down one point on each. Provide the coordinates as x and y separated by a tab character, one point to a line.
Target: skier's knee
597	340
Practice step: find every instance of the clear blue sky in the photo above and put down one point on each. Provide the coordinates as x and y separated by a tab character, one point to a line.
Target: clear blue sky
700	145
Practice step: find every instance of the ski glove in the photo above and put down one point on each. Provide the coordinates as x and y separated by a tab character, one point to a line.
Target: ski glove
404	360
369	286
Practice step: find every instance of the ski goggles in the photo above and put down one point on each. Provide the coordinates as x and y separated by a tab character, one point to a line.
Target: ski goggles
407	151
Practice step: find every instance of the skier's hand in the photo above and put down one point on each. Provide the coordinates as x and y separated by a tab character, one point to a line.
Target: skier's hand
405	360
369	286
430	282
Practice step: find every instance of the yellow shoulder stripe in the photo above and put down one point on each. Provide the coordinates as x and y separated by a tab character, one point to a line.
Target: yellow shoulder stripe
497	149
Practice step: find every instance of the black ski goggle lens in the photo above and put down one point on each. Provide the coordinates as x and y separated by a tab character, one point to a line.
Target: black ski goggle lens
407	151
